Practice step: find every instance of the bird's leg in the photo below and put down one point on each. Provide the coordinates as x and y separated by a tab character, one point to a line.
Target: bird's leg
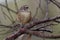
26	37
29	37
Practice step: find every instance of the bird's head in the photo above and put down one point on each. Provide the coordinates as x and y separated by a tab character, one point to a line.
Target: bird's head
24	7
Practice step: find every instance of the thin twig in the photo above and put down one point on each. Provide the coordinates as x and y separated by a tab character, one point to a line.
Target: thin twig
16	6
5	26
5	14
8	8
44	26
56	3
9	11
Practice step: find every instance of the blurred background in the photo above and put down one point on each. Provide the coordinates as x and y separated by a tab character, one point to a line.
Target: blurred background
53	10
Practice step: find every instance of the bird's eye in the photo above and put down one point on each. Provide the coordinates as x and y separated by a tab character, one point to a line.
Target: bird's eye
26	7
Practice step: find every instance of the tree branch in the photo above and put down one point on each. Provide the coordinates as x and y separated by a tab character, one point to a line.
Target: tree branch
16	6
36	33
6	2
6	26
8	8
56	3
5	14
40	34
15	35
39	28
34	23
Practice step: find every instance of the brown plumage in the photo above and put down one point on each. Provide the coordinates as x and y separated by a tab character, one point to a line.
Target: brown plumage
24	14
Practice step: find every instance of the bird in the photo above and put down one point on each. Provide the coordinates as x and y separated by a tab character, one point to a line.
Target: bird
24	14
24	17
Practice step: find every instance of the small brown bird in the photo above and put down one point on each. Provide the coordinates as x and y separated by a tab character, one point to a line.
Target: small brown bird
24	16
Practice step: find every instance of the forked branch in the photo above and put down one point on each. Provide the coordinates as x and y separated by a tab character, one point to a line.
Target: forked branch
36	33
